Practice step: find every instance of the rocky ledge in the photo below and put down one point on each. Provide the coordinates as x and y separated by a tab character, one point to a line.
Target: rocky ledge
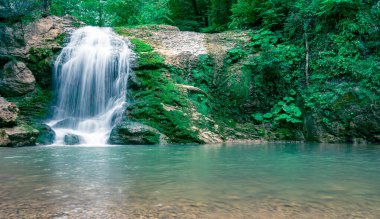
18	136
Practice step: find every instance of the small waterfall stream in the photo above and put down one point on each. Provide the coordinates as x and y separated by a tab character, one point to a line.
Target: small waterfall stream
90	79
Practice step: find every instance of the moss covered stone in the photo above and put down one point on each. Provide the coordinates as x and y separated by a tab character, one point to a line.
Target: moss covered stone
140	46
34	106
150	60
157	101
134	133
23	135
40	62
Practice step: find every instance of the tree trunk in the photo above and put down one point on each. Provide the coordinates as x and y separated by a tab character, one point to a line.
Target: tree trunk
195	6
307	60
100	23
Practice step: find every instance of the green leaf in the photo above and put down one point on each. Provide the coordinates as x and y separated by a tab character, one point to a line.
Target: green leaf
258	117
268	115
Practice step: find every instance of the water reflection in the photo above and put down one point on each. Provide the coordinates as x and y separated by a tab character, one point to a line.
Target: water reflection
213	181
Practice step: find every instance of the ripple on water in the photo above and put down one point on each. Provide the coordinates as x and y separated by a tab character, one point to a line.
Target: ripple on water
264	181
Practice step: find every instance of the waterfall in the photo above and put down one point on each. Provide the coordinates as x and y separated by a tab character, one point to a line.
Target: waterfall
90	83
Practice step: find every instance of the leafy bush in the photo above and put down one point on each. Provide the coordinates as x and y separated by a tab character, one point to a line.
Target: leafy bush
283	113
235	54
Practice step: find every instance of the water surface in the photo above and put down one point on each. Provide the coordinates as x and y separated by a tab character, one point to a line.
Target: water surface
184	181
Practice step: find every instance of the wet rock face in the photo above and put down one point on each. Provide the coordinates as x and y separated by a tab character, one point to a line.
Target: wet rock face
135	133
72	139
16	80
47	135
8	113
18	136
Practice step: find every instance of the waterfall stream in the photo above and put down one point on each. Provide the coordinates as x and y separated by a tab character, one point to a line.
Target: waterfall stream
90	79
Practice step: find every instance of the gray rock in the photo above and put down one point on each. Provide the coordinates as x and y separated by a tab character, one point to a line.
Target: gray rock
16	80
46	136
18	136
136	133
8	113
18	39
71	139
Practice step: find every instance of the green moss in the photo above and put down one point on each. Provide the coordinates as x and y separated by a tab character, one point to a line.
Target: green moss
27	128
150	60
122	31
147	58
141	46
60	39
40	63
157	91
34	106
152	138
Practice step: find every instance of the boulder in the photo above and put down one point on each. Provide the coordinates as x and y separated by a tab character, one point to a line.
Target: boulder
18	136
71	139
46	136
16	80
8	113
136	133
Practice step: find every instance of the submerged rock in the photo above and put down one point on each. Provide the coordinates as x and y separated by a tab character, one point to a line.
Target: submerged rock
16	80
136	133
71	139
46	136
66	123
18	136
8	113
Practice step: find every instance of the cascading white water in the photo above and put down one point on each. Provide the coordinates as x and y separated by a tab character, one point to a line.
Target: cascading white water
90	78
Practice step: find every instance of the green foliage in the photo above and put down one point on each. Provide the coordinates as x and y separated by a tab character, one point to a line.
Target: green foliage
12	11
235	54
274	69
115	12
270	14
283	113
154	12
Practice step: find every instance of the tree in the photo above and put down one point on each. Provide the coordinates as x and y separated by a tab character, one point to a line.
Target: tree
17	10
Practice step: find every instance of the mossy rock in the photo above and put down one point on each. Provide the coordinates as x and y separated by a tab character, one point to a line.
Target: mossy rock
155	92
140	46
40	62
134	133
46	134
19	136
150	60
34	106
147	58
